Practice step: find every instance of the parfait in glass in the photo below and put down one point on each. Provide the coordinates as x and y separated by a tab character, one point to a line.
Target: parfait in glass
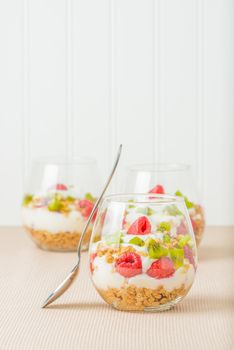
142	251
59	198
171	178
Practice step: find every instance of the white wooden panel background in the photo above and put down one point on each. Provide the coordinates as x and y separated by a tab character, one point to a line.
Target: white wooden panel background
81	76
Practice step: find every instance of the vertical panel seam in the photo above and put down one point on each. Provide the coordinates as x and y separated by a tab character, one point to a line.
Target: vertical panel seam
154	123
200	97
69	73
26	93
157	77
113	127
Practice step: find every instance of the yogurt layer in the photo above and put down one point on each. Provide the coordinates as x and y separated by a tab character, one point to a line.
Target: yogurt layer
180	277
104	277
43	219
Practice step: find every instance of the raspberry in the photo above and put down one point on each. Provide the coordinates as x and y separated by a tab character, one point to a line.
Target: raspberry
86	207
91	260
141	226
61	187
124	221
94	216
129	265
182	229
194	225
188	254
159	189
103	218
161	268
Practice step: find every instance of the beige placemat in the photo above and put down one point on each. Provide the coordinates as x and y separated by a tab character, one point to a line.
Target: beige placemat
81	320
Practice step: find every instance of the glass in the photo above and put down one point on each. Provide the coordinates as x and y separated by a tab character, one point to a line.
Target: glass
174	179
59	198
142	251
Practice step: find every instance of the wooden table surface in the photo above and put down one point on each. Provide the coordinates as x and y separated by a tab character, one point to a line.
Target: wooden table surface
81	320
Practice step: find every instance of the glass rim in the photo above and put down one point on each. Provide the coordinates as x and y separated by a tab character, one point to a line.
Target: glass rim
124	198
63	160
158	167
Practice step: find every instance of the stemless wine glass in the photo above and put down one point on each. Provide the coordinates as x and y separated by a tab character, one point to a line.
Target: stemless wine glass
142	251
59	198
172	179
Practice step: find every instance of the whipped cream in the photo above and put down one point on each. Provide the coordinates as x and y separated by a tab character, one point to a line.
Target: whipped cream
105	277
43	219
180	277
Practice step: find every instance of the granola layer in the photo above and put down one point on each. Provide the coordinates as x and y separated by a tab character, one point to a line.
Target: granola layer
199	223
131	298
62	241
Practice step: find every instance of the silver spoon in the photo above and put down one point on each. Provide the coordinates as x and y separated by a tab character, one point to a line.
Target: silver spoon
74	272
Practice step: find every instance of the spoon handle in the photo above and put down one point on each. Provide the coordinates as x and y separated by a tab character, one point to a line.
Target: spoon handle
61	289
99	200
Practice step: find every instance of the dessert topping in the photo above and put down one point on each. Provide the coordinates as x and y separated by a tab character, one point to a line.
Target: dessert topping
161	268
129	264
158	189
61	187
141	226
137	241
155	249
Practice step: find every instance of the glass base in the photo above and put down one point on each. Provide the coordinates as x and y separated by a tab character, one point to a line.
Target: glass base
159	308
164	307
